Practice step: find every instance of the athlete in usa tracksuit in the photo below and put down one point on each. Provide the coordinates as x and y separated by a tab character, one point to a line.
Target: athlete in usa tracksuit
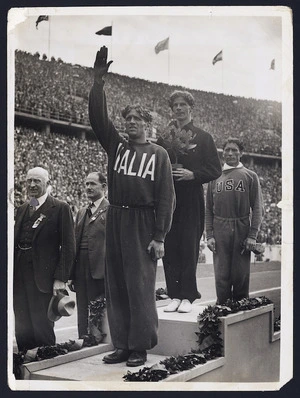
234	212
142	199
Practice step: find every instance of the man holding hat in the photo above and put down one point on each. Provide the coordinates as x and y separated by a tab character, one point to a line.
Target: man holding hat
44	253
141	196
60	305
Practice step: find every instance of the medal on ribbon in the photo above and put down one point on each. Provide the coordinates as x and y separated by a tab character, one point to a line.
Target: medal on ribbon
39	220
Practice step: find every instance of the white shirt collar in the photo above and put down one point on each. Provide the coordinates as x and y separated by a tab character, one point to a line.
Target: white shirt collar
42	200
227	167
97	204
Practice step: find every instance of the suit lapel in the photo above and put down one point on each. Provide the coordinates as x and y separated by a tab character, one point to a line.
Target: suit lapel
101	209
22	211
44	213
81	217
79	225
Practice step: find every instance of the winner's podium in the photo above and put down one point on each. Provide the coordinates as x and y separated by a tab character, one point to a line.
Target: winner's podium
251	352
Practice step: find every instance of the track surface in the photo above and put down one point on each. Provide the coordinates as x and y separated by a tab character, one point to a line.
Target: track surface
265	280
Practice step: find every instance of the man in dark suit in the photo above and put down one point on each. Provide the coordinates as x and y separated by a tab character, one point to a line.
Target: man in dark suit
44	254
88	270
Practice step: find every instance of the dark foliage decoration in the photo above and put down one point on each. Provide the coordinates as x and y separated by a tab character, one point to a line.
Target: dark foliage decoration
89	340
161	294
96	314
18	360
247	304
147	374
209	341
43	352
95	336
183	362
177	141
277	324
47	352
210	344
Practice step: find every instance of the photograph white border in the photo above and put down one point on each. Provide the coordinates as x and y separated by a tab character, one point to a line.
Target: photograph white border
15	17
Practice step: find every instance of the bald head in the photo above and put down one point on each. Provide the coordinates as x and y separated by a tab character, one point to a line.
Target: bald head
37	180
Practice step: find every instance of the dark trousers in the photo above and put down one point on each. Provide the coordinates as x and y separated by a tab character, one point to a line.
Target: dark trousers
130	279
32	326
232	268
182	250
87	289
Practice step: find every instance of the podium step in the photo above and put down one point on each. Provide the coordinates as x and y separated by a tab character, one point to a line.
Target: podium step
249	344
92	369
176	331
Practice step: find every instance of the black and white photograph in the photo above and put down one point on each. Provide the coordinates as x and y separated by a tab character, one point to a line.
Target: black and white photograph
150	198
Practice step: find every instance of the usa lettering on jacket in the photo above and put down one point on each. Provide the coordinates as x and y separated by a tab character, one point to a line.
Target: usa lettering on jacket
230	185
134	167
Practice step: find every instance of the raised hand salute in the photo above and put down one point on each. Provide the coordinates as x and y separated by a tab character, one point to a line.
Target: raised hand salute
101	65
142	199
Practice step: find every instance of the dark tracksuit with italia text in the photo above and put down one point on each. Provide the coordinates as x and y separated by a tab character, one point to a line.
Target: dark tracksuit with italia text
234	211
142	199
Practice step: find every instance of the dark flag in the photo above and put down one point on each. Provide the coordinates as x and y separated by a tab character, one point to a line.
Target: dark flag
162	45
40	19
107	31
272	64
218	57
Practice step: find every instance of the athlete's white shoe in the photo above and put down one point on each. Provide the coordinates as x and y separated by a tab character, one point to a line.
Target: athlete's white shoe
172	307
185	306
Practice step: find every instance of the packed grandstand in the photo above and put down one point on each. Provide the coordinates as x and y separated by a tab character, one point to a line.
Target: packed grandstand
52	128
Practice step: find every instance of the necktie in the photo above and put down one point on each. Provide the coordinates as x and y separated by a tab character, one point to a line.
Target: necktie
89	209
32	205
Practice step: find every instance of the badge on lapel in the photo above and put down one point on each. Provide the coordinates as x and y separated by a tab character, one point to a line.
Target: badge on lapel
95	215
39	220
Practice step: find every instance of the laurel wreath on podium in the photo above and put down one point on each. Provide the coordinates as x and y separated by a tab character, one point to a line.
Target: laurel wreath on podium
96	316
210	344
94	337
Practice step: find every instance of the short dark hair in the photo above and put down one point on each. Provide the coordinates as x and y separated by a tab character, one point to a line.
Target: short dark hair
184	94
143	112
236	141
101	177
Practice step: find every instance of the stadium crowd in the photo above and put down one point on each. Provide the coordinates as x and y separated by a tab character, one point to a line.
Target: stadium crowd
58	90
70	159
67	159
271	184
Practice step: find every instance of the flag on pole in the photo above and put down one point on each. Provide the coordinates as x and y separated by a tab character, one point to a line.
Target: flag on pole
107	31
40	19
162	45
218	57
272	64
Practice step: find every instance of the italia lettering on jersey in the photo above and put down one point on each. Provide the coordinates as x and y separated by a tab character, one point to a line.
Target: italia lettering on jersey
229	185
143	167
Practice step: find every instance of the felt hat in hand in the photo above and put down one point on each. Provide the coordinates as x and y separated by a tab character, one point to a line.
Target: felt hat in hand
60	305
258	248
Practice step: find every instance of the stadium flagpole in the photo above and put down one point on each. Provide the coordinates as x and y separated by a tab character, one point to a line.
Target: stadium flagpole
222	73
169	62
49	21
111	44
